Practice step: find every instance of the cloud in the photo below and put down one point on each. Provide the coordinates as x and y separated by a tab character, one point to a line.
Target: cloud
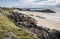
42	3
58	5
32	3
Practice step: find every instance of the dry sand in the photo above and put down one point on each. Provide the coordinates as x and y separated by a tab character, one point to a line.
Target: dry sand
42	22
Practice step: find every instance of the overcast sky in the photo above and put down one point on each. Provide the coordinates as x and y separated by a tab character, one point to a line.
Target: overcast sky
30	3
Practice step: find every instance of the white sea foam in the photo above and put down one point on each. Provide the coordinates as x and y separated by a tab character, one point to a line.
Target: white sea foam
51	16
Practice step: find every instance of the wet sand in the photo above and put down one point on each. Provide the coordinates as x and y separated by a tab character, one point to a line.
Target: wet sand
42	21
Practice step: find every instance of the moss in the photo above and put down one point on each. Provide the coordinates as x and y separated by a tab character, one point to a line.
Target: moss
20	33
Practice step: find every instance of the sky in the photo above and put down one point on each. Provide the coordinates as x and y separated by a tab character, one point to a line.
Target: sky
30	3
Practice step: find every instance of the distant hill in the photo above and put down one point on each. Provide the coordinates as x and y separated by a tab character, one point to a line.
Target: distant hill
47	11
44	10
37	10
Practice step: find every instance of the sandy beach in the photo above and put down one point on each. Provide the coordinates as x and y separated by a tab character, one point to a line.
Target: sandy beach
41	21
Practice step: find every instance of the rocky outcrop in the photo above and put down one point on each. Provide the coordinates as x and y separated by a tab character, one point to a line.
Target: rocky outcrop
37	10
29	23
45	11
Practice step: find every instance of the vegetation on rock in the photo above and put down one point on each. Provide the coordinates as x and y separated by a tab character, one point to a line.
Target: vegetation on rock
8	29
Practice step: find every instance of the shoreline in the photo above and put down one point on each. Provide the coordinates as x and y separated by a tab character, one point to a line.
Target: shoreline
42	22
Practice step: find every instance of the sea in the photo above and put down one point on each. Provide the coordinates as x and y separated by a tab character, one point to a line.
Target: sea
51	16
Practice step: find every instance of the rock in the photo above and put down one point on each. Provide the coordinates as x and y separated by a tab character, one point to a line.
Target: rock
56	33
47	11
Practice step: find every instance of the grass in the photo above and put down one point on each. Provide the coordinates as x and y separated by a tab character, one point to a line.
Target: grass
7	11
6	26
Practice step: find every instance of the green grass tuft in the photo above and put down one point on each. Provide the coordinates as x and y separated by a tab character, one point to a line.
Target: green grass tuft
7	26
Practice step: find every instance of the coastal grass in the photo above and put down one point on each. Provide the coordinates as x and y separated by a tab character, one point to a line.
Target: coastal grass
7	11
6	26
